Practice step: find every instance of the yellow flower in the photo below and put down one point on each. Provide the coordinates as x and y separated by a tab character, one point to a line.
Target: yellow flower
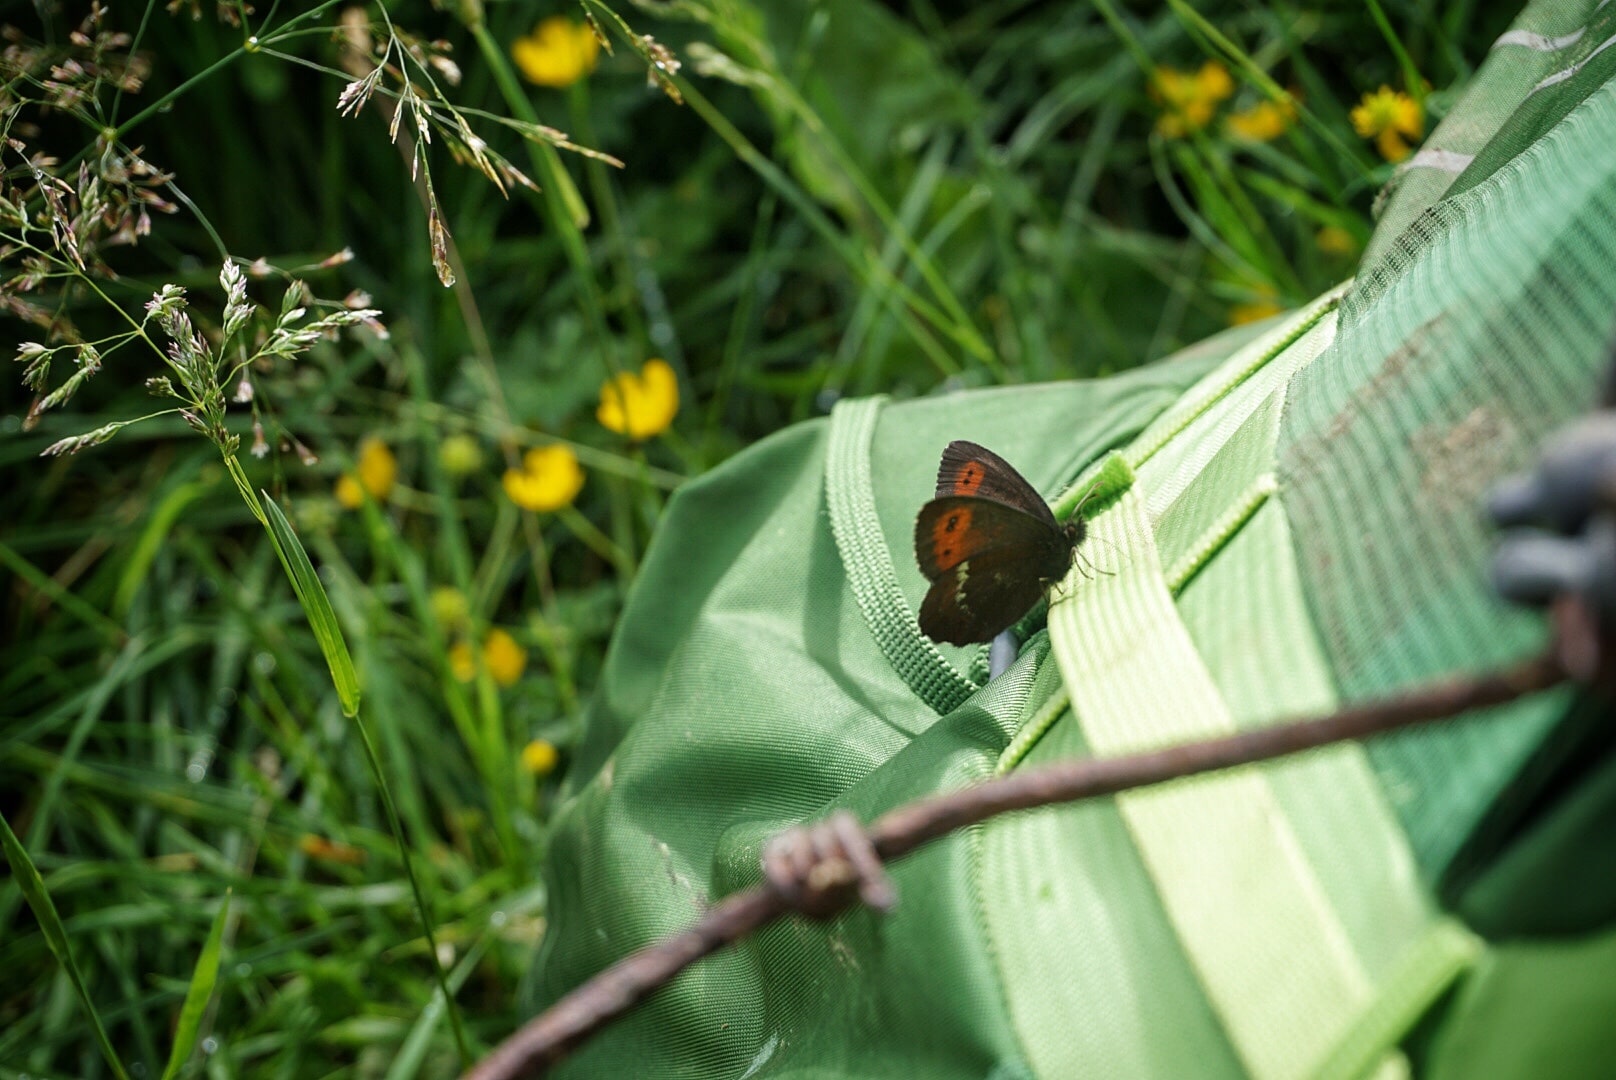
1264	121
557	53
460	455
506	659
1390	118
642	405
1334	240
462	664
502	656
375	473
550	478
1189	100
539	757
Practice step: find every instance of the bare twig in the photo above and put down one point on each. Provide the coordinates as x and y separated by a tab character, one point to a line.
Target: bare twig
545	1039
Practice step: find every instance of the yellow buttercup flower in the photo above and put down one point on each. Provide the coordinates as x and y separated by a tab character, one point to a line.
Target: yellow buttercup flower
550	478
375	472
504	658
1189	100
557	53
1390	117
539	757
1255	311
462	662
642	405
1264	121
349	493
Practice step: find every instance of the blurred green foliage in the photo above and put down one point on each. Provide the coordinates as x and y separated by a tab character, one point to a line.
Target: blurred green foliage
819	199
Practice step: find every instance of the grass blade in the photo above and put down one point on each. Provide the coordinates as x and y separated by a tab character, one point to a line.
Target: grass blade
323	621
427	925
316	605
197	997
50	923
413	1050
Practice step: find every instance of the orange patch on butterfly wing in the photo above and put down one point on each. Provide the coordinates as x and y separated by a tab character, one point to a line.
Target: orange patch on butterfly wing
948	535
969	479
954	528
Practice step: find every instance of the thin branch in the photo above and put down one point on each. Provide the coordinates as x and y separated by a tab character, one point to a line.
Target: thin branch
547	1038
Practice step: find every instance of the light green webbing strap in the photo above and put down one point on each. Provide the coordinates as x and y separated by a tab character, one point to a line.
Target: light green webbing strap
850	496
1259	871
1273	958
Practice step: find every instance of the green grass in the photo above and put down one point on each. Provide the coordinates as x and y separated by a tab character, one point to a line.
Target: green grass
261	825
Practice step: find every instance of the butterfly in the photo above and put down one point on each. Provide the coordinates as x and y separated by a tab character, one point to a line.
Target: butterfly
989	544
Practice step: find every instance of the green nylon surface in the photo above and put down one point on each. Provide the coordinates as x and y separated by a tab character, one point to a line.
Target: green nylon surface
1365	870
1578	68
1197	521
743	692
1534	1011
1566	841
1255	356
1244	615
1241	888
1098	984
1219	853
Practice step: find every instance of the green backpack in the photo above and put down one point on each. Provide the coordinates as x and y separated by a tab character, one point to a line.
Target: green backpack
1290	521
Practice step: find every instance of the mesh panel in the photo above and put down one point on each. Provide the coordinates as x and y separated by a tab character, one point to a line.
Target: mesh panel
1482	333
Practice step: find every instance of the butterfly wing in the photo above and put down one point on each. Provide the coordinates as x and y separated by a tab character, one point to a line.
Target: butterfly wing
987	593
954	528
969	469
987	561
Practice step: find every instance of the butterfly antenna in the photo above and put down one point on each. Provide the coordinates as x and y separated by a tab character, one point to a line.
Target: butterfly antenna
1092	565
1102	540
1084	501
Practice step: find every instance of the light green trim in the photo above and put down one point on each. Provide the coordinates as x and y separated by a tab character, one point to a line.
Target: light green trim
1250	891
850	497
1241	511
1096	486
1232	374
1211	459
1032	731
1430	968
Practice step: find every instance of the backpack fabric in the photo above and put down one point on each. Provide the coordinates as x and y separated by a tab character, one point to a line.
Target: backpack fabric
1287	519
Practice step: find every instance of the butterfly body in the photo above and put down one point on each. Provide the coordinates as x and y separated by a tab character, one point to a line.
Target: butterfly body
989	544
